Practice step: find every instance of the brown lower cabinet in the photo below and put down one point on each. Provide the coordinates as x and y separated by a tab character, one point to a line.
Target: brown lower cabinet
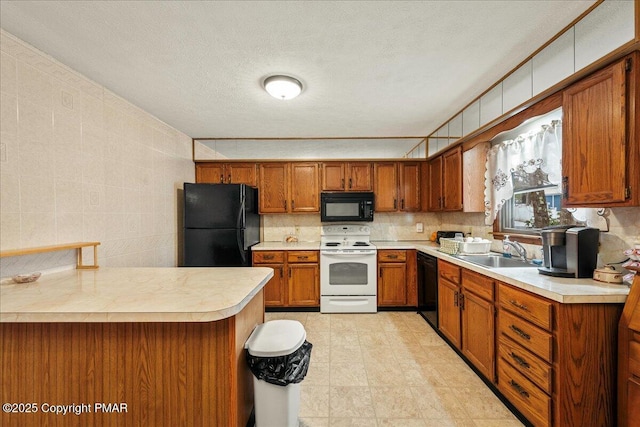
296	278
629	359
466	314
556	363
396	278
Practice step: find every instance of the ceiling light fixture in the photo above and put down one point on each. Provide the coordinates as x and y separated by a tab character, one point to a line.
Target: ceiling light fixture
282	87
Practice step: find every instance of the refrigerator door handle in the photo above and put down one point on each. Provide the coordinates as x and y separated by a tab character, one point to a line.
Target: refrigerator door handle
240	222
240	239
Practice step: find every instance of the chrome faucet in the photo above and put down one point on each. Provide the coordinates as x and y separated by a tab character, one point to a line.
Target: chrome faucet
520	250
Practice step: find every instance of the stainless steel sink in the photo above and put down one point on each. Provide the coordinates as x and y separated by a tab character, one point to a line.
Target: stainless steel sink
495	261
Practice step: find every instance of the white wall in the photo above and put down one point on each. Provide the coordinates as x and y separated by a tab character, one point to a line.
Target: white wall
79	163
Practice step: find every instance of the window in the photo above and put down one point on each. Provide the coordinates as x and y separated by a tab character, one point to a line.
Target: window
523	184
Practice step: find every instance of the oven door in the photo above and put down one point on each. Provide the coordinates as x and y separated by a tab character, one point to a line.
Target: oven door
348	272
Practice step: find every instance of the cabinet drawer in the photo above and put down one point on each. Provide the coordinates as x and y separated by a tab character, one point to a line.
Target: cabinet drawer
392	256
634	358
526	363
478	284
448	271
527	335
302	256
529	399
527	306
268	257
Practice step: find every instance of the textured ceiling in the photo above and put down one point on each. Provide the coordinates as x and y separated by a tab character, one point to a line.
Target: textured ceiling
369	68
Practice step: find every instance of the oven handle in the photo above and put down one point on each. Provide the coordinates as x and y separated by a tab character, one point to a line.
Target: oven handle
335	254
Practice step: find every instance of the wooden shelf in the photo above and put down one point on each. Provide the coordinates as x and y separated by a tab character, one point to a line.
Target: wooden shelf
53	248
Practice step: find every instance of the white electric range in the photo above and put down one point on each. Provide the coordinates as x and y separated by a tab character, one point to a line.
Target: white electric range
348	280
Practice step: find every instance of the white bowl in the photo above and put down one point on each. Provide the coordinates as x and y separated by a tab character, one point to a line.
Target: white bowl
26	278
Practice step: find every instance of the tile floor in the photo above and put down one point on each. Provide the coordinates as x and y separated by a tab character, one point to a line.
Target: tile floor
389	369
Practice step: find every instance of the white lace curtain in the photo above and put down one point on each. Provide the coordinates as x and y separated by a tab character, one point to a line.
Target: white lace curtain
529	161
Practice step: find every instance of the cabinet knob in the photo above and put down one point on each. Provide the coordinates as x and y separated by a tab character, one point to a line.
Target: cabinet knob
350	183
221	179
520	306
229	179
519	360
521	391
520	332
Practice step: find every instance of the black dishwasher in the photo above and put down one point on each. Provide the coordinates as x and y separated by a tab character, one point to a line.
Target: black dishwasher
428	288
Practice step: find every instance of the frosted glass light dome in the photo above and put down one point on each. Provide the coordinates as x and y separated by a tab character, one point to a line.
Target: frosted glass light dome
283	87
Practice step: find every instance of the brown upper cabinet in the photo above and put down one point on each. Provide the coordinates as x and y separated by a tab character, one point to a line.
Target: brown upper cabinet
445	181
289	187
474	165
346	176
397	186
600	147
227	173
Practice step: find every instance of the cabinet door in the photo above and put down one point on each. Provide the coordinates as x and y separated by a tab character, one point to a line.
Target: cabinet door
304	285
435	185
392	284
275	290
448	311
305	194
385	187
410	187
359	177
273	184
333	176
210	173
474	161
241	173
478	329
452	180
633	404
594	151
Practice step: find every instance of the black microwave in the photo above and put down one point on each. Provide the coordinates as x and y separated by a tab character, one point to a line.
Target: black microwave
336	207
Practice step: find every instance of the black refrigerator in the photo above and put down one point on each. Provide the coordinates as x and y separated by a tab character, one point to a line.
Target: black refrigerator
221	223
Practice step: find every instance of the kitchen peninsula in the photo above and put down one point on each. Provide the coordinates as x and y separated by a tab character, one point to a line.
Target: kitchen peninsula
162	346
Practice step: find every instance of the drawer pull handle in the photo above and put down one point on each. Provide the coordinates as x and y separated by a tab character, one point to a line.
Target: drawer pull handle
520	332
519	360
269	256
521	391
303	257
520	306
392	256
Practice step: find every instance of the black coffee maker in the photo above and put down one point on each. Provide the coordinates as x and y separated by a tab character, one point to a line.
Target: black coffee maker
569	251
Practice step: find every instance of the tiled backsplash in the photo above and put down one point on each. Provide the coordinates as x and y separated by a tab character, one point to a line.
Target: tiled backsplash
623	232
386	226
79	163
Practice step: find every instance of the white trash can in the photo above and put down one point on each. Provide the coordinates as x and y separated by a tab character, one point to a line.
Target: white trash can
276	405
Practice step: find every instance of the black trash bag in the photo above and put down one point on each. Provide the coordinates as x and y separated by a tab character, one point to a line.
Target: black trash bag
282	370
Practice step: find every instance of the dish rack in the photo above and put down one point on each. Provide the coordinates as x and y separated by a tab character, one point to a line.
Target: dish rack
453	247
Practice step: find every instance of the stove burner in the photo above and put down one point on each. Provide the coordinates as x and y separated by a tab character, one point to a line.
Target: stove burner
332	244
360	244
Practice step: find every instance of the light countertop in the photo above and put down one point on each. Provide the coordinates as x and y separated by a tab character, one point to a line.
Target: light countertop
284	246
133	295
563	290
